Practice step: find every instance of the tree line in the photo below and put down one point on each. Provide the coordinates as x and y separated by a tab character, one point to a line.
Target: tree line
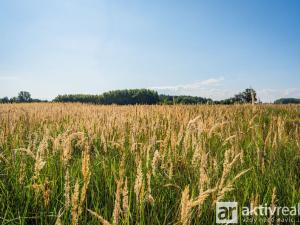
143	96
183	99
119	97
247	96
288	101
149	97
23	97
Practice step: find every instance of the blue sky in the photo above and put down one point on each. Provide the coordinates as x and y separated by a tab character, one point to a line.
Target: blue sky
205	48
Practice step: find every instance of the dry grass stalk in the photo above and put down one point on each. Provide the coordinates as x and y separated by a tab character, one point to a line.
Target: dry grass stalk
280	128
260	158
222	190
229	139
46	192
254	202
155	161
100	218
83	194
202	197
125	205
227	165
185	211
273	205
58	220
215	127
170	171
85	163
67	146
298	145
75	203
2	158
27	151
203	177
67	190
192	122
138	183
187	204
104	144
150	198
196	156
117	209
39	158
38	188
22	172
67	151
86	177
224	185
148	156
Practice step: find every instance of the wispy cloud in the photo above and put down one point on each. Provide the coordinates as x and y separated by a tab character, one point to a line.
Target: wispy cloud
3	78
192	86
215	88
210	88
269	95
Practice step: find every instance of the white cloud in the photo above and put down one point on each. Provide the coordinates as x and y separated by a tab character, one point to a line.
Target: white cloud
215	89
210	88
212	81
269	95
9	78
192	86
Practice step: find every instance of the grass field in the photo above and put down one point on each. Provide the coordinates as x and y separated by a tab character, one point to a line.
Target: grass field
85	164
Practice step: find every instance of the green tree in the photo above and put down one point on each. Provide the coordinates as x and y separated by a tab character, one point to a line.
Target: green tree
246	96
24	96
249	95
287	101
4	100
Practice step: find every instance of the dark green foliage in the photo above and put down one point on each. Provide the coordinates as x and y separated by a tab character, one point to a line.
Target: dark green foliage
240	98
23	97
149	97
146	97
136	96
83	98
287	101
295	167
119	97
183	99
247	96
4	100
129	97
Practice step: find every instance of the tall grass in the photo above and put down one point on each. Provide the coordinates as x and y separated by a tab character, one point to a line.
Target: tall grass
84	164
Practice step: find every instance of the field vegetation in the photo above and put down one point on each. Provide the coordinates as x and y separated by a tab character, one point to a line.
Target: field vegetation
63	163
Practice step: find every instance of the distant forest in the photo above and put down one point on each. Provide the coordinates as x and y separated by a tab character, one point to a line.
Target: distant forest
288	101
145	97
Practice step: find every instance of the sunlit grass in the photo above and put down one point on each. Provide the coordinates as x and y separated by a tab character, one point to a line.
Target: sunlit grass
176	162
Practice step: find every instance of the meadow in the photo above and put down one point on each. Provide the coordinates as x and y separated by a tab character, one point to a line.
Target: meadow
88	164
